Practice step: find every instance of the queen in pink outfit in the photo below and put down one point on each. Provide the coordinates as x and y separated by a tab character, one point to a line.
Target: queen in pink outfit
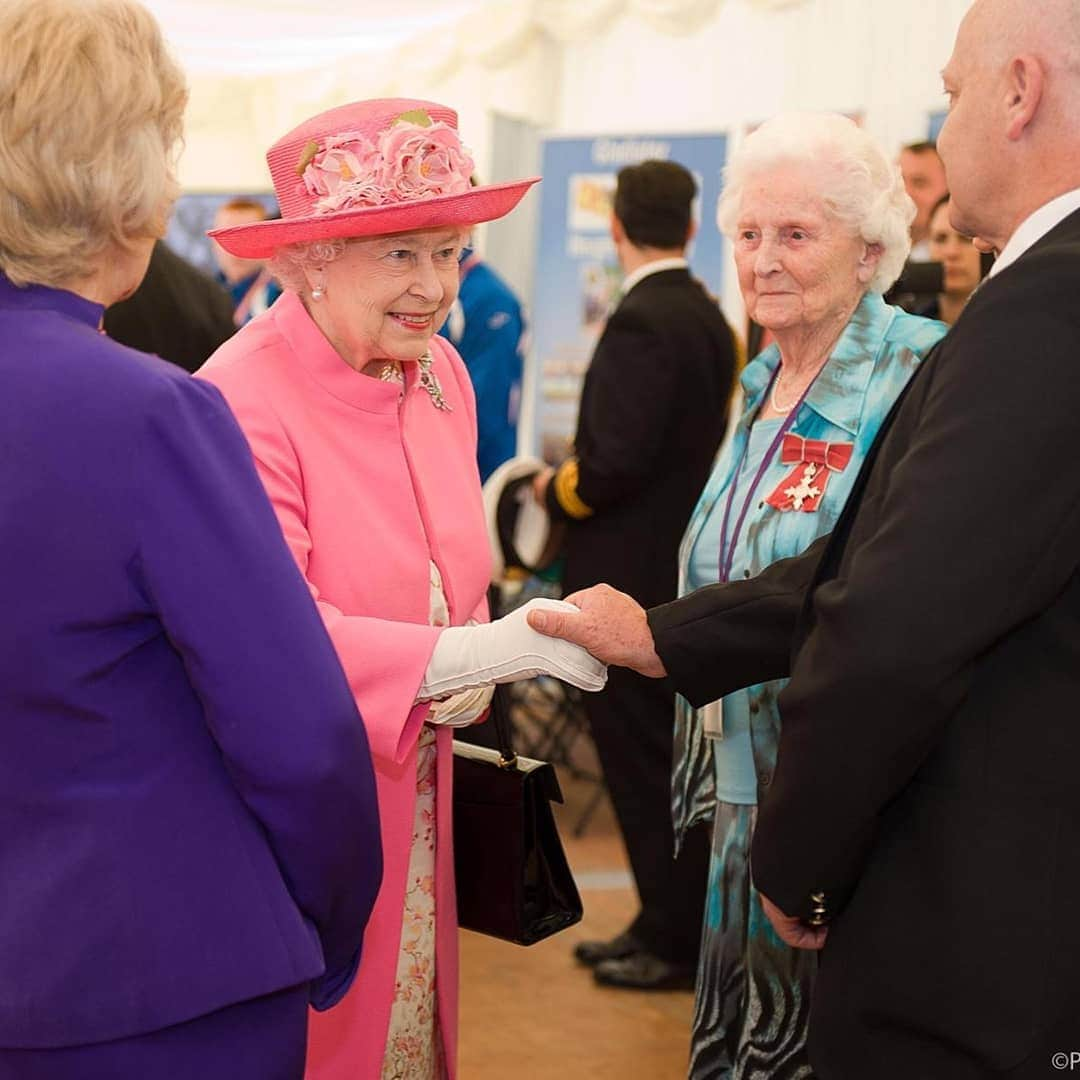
363	427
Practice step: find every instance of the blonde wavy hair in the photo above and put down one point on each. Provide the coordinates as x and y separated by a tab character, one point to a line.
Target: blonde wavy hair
859	184
91	118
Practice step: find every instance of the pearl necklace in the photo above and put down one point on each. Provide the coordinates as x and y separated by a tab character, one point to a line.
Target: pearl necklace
776	406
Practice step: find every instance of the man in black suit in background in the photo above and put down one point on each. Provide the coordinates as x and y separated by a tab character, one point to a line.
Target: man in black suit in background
923	823
176	312
653	414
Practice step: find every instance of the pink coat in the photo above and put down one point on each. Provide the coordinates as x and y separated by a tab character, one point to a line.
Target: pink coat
366	495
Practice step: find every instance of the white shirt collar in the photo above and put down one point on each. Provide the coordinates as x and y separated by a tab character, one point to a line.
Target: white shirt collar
653	267
1033	228
920	252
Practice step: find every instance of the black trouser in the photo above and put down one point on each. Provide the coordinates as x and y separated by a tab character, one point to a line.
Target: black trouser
631	721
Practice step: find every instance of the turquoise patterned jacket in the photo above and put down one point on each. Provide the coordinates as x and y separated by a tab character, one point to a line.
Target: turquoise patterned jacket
871	363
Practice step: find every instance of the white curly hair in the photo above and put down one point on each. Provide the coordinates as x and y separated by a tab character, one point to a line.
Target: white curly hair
288	263
859	184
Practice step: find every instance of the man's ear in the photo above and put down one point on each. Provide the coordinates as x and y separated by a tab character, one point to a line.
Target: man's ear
1025	82
618	233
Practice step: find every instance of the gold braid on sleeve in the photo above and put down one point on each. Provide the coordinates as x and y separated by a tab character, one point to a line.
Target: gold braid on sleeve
566	482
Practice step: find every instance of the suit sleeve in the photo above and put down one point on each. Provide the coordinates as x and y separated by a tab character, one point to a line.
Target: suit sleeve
213	566
973	532
724	637
632	383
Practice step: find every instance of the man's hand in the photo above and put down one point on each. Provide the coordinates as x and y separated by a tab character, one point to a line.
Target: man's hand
792	931
611	625
540	484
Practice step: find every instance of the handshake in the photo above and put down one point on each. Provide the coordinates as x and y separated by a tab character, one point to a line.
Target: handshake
573	640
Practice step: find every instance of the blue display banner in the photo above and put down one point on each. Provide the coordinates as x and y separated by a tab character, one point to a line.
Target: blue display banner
937	120
577	274
193	214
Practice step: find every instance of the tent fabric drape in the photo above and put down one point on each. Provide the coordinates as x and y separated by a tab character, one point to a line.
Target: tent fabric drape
493	33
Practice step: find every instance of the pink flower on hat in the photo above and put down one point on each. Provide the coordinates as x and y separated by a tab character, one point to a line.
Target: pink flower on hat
422	162
341	160
412	161
343	173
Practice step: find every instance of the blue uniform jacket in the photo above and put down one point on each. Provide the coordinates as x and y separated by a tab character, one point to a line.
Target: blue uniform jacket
488	335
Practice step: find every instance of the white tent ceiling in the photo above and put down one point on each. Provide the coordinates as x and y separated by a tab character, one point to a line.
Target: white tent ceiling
239	37
244	37
258	67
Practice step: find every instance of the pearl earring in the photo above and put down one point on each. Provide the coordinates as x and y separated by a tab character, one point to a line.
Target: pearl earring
318	292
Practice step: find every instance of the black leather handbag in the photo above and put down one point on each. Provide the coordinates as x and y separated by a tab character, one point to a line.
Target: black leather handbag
513	880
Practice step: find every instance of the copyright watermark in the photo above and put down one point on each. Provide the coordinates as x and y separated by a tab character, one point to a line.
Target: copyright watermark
1066	1062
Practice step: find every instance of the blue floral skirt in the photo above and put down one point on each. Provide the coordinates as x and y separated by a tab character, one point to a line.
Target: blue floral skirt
753	991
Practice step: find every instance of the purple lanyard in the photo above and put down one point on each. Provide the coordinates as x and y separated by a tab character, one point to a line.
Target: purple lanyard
727	551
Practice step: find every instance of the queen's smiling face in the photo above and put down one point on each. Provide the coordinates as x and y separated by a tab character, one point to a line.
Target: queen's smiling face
799	265
386	296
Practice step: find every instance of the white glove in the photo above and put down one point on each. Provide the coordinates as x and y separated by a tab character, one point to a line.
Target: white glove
461	710
504	651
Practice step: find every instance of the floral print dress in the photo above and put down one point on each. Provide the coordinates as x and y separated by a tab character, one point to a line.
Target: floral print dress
414	1046
413	1042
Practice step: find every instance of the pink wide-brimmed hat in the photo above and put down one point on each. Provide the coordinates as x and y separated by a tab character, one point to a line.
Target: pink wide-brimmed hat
371	168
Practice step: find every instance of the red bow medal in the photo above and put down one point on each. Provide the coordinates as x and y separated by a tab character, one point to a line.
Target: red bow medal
815	461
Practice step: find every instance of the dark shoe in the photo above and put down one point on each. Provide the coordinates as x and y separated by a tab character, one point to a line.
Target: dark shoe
643	971
591	953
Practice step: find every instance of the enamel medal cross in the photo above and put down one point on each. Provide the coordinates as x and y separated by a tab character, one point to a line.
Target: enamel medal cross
805	488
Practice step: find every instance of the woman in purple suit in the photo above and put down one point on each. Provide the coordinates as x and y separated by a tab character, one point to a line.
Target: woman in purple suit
189	843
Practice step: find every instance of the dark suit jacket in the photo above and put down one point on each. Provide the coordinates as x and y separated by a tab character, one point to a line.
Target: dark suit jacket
653	414
177	312
927	776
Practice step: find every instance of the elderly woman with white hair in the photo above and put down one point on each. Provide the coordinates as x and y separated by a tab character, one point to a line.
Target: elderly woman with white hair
819	222
362	421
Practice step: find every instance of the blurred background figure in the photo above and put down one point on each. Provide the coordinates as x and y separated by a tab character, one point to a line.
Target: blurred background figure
177	312
924	181
962	264
486	327
654	410
916	289
249	282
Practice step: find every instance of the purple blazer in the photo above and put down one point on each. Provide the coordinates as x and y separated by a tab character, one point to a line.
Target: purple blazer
187	806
